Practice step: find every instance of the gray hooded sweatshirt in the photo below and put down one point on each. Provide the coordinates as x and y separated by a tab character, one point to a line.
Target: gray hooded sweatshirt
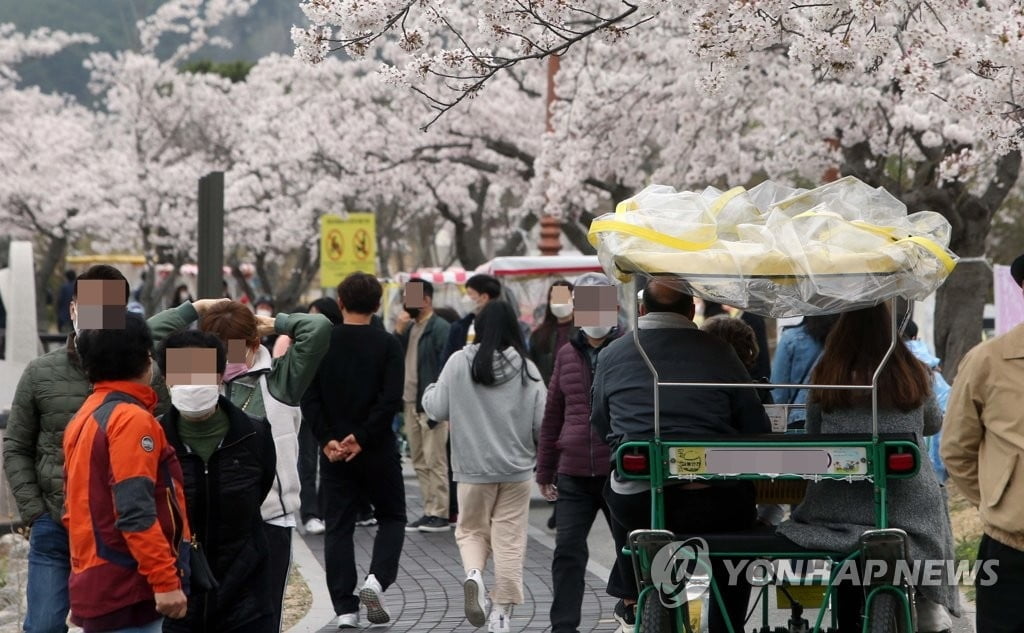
494	429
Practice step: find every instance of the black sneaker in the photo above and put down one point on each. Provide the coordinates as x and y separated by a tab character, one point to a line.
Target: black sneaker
414	526
435	524
626	616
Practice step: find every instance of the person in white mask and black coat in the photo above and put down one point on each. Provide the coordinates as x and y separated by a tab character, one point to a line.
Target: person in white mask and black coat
228	462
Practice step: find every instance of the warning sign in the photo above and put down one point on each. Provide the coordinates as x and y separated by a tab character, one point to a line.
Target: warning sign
347	244
335	245
361	244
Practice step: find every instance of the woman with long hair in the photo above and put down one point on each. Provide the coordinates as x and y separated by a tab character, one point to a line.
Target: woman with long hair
494	397
834	514
553	332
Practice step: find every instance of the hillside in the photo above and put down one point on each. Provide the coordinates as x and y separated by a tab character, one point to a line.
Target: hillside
264	30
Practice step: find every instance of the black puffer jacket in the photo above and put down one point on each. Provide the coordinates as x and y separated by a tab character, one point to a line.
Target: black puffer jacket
224	498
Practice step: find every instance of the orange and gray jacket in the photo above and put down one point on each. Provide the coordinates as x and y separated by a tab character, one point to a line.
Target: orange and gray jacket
124	508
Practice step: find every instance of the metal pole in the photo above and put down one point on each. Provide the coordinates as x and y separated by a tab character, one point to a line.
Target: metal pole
210	279
647	360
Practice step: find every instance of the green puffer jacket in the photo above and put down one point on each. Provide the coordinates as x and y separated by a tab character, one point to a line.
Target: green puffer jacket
49	393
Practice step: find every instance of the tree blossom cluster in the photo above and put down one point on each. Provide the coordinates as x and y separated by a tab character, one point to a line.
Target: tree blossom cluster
921	98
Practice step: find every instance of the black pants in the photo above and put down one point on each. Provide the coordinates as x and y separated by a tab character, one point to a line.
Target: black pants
279	561
727	507
377	475
453	497
999	603
580	499
309	501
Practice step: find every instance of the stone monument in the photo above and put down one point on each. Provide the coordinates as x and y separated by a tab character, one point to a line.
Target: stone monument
18	289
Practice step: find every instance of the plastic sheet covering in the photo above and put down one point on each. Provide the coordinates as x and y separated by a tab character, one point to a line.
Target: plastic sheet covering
778	251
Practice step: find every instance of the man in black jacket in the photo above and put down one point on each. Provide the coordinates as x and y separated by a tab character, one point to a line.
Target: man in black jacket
228	461
623	410
356	393
423	335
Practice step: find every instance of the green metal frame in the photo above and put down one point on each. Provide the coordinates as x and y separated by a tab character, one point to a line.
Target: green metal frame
658	474
877	450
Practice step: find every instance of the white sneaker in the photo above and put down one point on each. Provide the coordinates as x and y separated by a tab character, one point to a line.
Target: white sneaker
371	596
315	526
500	622
476	605
348	620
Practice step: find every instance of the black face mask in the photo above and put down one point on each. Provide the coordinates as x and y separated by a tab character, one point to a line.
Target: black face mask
413	312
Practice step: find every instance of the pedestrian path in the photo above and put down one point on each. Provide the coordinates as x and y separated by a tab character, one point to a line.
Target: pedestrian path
428	594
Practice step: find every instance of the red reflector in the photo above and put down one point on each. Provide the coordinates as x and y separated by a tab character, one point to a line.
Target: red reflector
901	462
634	463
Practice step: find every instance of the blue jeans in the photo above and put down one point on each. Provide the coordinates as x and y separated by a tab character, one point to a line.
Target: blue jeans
49	567
153	627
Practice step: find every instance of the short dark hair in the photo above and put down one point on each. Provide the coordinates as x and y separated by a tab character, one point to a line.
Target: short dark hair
485	285
102	271
360	293
192	338
910	330
116	354
660	296
329	308
428	288
69	275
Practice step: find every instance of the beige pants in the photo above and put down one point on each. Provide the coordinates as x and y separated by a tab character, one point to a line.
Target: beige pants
493	518
429	459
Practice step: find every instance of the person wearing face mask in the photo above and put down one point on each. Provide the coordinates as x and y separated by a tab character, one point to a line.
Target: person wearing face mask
553	333
227	459
51	389
573	464
423	335
268	387
480	289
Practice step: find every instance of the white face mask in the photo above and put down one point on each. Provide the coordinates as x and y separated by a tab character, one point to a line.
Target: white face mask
194	402
597	331
561	310
264	313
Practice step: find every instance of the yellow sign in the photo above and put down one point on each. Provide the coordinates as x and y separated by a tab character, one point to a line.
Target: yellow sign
689	460
347	244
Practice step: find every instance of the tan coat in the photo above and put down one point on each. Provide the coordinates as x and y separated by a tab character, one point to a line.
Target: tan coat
983	434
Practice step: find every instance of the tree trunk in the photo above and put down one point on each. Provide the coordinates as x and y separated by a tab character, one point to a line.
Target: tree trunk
298	282
958	314
54	250
576	229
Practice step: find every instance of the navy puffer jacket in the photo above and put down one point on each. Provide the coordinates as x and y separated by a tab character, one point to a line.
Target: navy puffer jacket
568	444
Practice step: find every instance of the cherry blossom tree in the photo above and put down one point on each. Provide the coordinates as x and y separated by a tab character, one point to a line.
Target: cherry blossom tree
922	98
46	157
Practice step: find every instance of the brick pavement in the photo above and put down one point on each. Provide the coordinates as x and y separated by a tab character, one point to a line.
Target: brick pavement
427	596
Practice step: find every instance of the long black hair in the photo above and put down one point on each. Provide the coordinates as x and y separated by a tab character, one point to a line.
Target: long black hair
818	327
329	308
497	329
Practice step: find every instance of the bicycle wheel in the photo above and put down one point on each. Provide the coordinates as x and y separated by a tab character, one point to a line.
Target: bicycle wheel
886	614
654	617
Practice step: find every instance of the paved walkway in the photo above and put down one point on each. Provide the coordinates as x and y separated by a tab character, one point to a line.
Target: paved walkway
428	594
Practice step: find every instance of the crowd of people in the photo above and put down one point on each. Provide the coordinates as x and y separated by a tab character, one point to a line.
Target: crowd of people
163	464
